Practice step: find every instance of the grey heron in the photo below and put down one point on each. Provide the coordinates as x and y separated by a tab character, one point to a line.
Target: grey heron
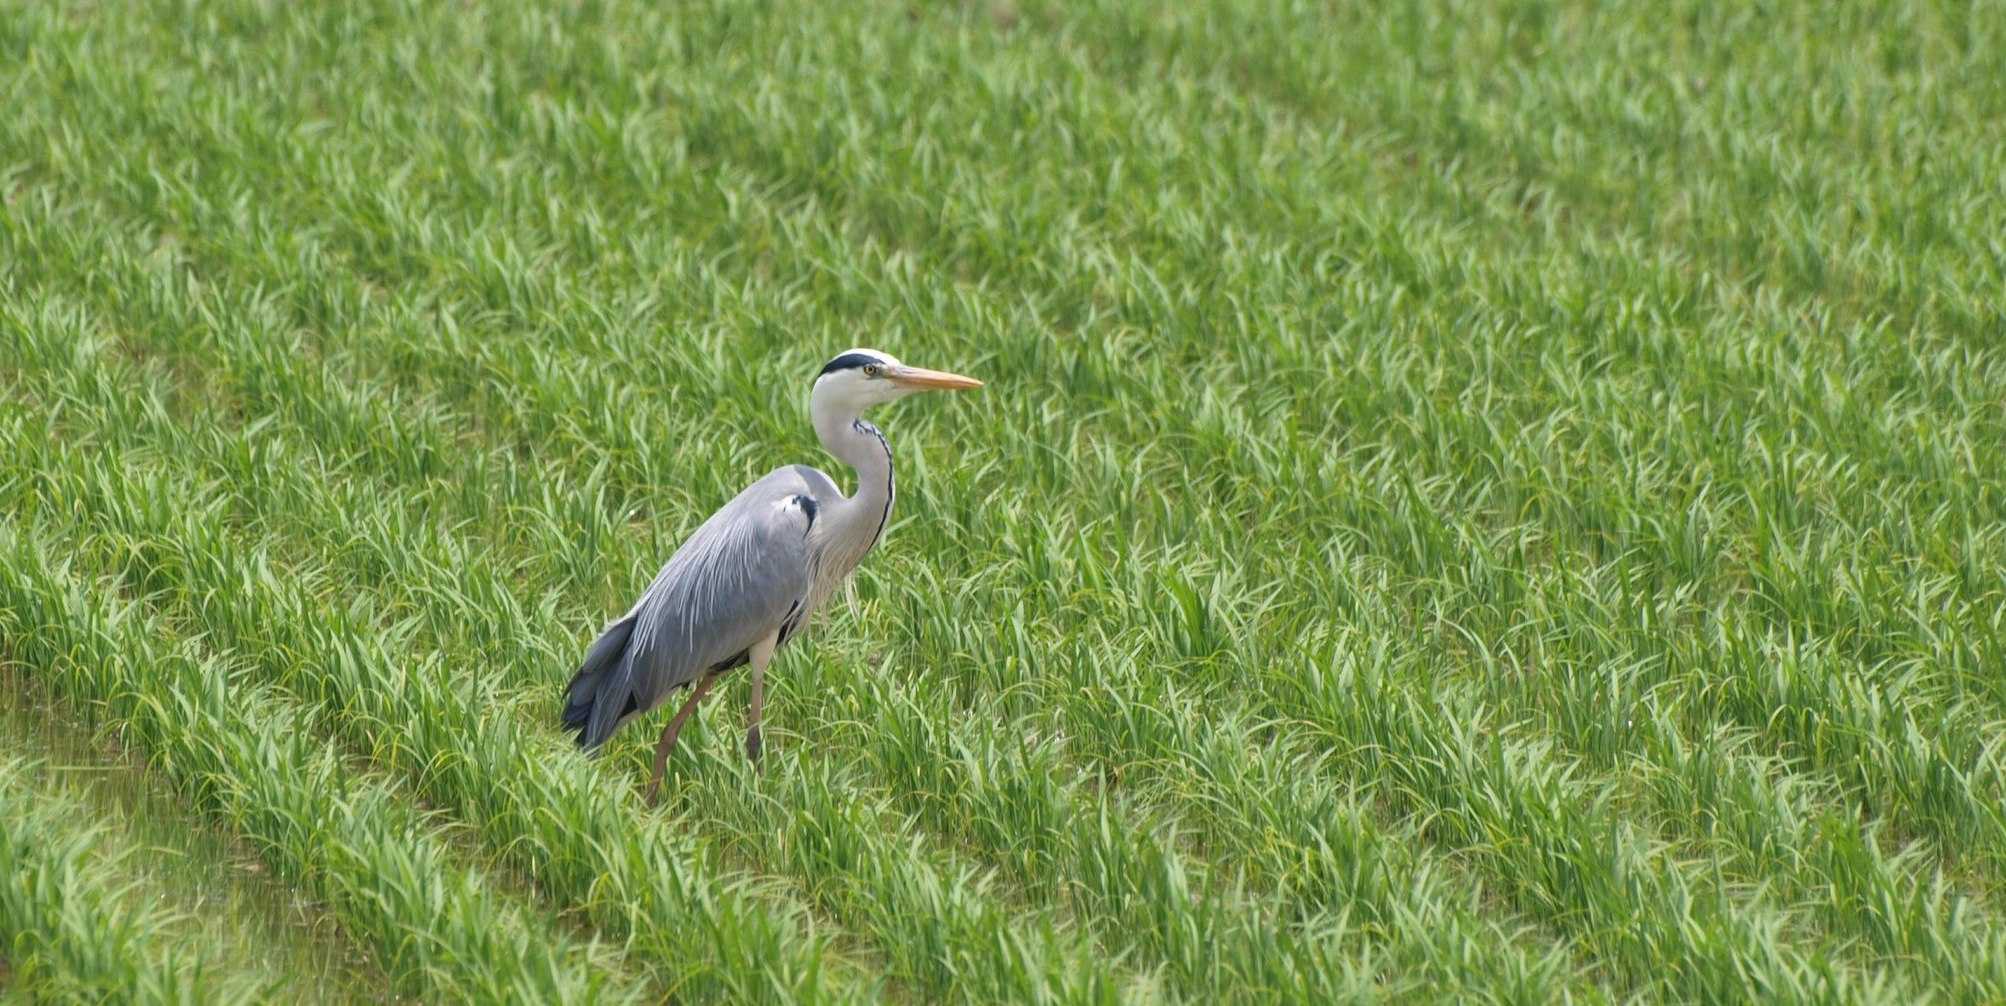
750	577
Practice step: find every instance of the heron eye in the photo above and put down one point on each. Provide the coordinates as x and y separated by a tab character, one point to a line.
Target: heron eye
871	370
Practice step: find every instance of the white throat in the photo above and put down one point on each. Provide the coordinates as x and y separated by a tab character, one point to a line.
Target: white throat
859	521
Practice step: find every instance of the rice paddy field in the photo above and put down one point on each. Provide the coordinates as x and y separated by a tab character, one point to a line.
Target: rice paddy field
1473	501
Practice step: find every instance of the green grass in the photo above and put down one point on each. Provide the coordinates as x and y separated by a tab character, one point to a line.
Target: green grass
1498	501
217	897
76	926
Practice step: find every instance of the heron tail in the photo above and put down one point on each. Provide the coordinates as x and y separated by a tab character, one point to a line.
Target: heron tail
600	680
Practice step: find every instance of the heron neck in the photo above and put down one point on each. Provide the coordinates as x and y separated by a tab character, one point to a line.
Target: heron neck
862	518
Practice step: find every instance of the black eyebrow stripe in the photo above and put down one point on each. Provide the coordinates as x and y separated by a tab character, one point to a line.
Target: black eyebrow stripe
850	360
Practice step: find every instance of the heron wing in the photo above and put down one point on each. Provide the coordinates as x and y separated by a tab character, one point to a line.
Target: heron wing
737	580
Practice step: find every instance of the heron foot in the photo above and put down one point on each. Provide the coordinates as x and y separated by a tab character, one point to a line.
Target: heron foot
753	745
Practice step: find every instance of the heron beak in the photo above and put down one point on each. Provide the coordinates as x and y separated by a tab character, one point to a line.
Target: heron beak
918	377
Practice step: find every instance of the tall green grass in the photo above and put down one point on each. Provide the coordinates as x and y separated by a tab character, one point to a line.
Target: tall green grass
220	902
437	927
71	925
1491	500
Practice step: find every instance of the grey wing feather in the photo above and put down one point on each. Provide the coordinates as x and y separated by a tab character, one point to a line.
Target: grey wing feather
737	579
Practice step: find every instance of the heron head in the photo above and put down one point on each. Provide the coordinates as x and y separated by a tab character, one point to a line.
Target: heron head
861	378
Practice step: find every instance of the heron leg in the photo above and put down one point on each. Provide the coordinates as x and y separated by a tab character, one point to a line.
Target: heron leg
761	653
668	741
